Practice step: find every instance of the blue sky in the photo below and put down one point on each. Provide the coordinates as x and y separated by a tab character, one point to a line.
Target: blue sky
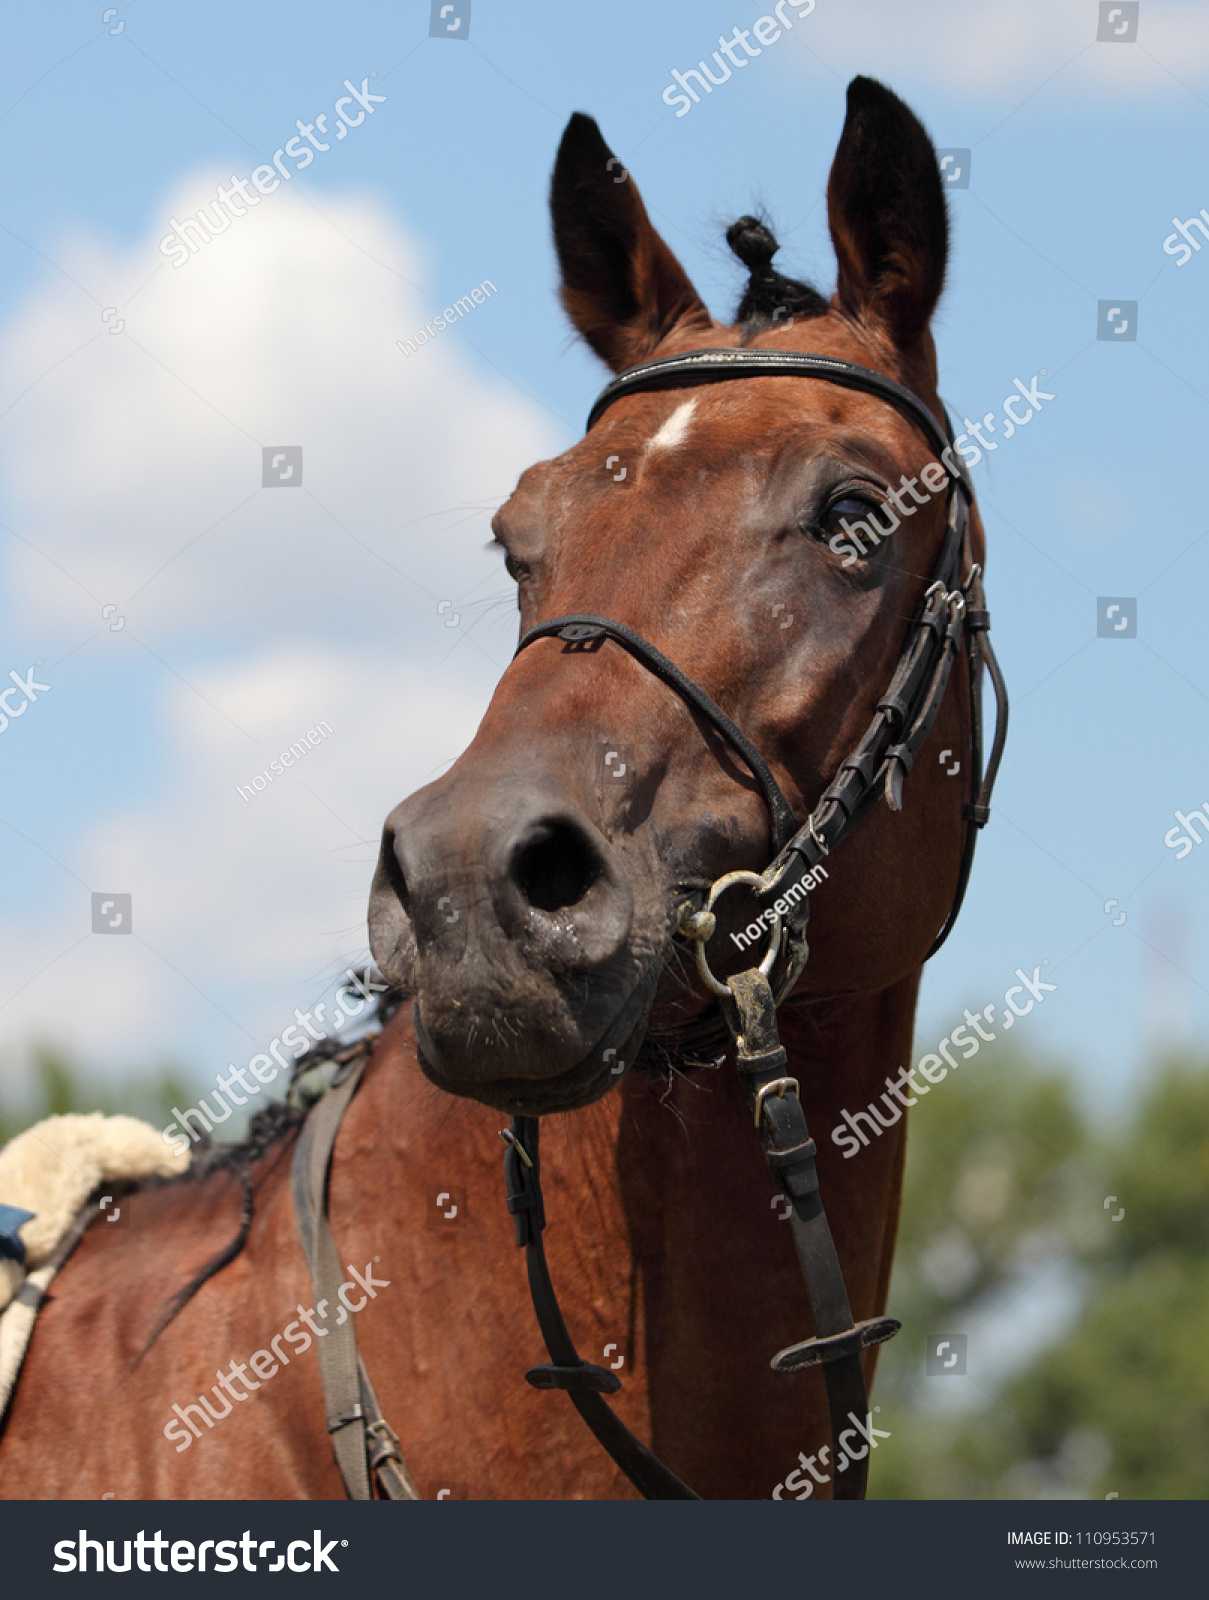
130	466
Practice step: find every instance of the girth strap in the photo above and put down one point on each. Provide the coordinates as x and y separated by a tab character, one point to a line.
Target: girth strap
362	1440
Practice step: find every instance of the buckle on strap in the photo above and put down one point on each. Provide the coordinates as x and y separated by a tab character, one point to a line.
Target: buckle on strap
778	1087
507	1135
383	1443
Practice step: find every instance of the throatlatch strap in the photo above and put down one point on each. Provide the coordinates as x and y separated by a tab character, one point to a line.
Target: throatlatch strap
361	1438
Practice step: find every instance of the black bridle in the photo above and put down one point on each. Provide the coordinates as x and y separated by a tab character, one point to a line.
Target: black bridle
951	611
911	703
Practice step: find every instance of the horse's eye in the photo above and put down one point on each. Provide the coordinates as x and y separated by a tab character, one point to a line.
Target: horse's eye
848	508
515	569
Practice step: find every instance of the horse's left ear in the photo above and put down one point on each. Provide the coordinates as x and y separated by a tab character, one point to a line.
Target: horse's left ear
622	287
886	210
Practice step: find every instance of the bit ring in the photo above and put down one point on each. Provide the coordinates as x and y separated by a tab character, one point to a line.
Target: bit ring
772	918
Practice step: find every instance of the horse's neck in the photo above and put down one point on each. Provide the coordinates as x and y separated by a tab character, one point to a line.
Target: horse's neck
722	1290
666	1247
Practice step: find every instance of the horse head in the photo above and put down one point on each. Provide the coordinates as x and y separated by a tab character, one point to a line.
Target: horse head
773	537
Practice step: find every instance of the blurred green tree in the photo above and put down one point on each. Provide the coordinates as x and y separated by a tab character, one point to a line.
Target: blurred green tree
1008	1184
55	1085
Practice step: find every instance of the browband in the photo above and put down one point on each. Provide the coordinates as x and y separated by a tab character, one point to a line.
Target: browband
705	366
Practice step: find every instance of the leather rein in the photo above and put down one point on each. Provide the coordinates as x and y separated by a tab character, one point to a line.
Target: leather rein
951	616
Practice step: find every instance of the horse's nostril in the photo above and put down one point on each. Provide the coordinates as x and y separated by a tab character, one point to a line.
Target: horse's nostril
556	868
394	872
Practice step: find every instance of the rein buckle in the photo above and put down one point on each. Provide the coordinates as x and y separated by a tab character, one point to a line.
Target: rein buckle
778	1087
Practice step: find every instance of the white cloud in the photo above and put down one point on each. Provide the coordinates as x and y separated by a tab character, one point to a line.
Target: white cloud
240	907
277	618
279	331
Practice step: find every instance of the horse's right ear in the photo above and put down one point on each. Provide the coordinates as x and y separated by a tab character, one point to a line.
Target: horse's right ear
622	287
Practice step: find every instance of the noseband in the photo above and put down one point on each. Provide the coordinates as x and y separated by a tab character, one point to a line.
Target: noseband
951	612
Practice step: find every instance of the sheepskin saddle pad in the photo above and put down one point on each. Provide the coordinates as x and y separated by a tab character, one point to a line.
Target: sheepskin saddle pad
48	1175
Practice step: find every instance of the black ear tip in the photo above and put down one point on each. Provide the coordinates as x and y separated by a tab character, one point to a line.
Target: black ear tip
867	94
753	243
581	133
863	89
582	144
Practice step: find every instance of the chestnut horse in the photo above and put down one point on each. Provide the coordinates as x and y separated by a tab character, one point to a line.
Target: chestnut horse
529	902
